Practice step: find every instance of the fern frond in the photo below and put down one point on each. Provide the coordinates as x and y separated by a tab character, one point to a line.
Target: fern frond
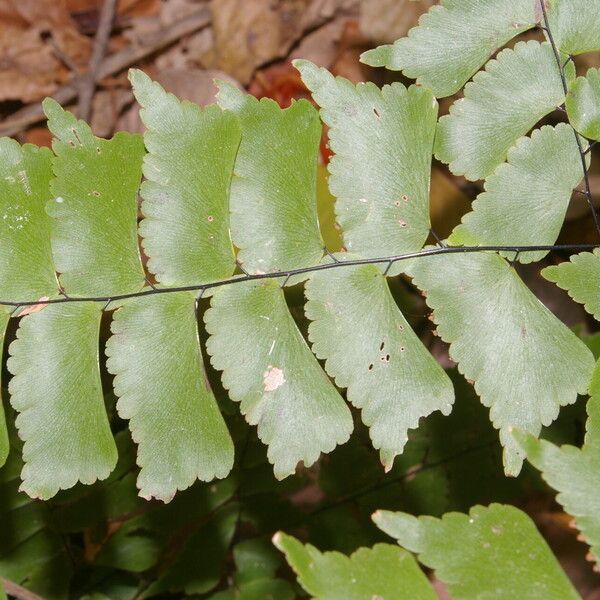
496	326
269	369
57	391
4	441
370	349
383	571
575	25
574	472
178	427
94	209
525	81
453	40
273	209
534	186
583	104
188	169
493	552
26	268
382	141
580	277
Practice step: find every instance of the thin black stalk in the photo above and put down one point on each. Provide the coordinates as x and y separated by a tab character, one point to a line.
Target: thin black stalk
335	264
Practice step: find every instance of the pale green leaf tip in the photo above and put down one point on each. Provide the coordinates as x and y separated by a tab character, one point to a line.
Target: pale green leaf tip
402	527
52	108
138	78
305	67
386	520
143	87
551	273
312	75
377	57
301	63
279	540
512	461
376	516
229	96
60	120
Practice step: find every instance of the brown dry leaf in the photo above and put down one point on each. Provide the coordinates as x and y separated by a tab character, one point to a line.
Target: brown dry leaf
129	7
189	53
107	107
384	21
40	136
148	25
30	68
351	46
86	13
321	46
250	34
247	35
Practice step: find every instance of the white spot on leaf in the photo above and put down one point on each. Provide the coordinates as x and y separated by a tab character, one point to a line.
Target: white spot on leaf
24	182
273	378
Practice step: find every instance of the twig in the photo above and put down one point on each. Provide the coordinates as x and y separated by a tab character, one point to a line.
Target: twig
17	591
88	84
387	260
110	65
62	56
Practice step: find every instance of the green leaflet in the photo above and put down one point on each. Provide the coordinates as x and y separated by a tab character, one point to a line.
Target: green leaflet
162	387
273	192
268	368
380	172
94	228
4	443
383	571
370	349
574	472
575	25
534	186
188	172
525	81
494	552
453	40
495	325
26	269
583	104
57	390
580	276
